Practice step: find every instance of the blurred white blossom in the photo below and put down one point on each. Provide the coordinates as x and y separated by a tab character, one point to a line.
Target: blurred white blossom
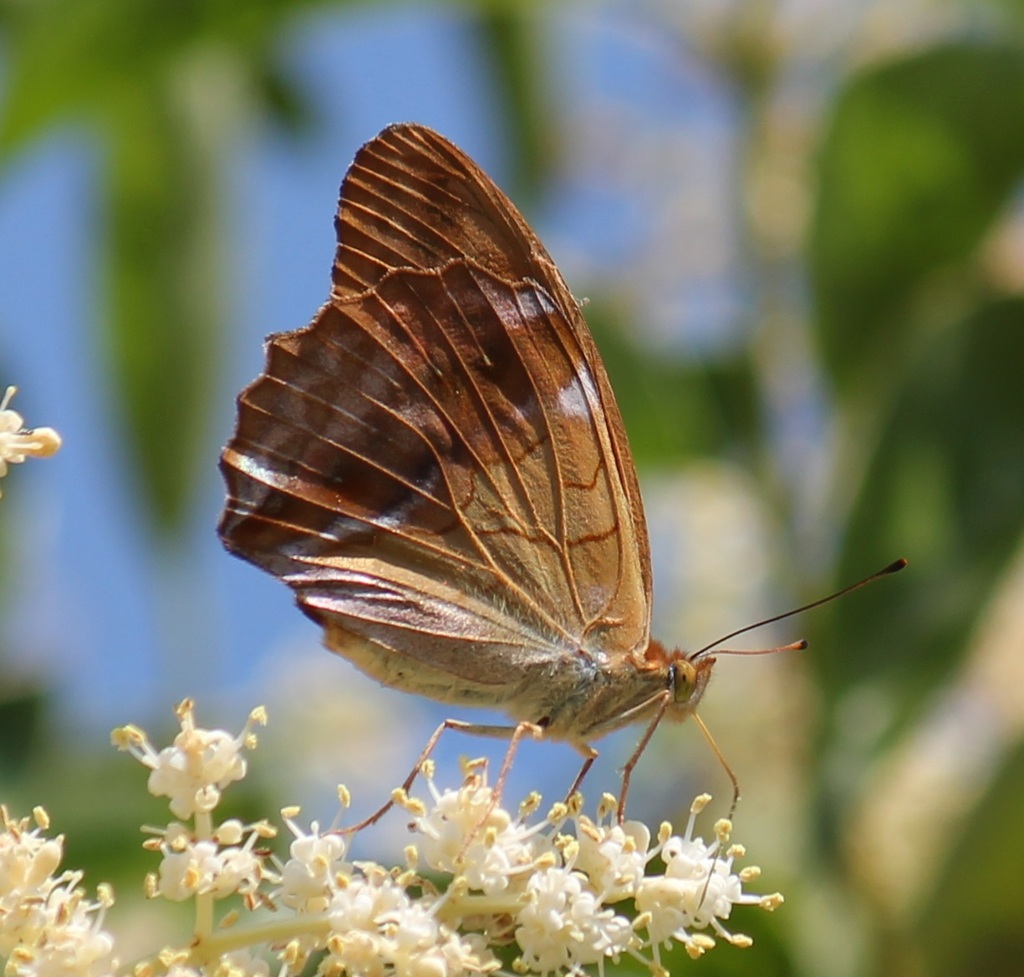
17	443
48	925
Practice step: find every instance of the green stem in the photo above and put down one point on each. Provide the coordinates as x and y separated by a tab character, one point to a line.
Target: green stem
204	900
273	932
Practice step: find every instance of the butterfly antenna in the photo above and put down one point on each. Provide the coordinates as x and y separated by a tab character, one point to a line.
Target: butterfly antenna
893	567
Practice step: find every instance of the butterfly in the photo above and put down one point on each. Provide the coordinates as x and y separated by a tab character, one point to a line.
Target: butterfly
437	467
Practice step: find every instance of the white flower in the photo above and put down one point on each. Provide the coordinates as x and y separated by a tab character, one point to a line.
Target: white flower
193	866
614	857
377	928
697	890
309	876
16	443
187	871
564	888
240	963
27	859
562	925
47	925
239	870
71	944
468	834
27	863
203	867
200	764
357	903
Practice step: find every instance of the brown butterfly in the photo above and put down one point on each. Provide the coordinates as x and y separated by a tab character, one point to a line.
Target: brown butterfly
437	466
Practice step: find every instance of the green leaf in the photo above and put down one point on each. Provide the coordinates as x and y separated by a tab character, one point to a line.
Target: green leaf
676	408
21	720
972	923
165	284
67	59
919	159
509	36
945	490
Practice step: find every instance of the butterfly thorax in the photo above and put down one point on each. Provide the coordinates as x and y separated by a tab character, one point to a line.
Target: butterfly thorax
622	690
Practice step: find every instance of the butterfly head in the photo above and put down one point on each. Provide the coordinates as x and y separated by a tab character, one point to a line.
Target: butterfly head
690	677
686	676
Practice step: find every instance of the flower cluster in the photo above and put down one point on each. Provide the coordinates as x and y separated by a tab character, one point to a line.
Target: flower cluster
17	443
47	923
563	892
560	887
479	884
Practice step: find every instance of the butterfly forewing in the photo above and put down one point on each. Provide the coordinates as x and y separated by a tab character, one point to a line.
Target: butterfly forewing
436	464
413	200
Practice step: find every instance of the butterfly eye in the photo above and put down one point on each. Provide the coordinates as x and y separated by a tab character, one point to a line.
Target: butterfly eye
684	678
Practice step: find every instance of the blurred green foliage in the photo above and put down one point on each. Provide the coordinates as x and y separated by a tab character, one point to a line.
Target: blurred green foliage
920	349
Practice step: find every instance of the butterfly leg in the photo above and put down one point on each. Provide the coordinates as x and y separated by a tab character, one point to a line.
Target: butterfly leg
735	792
590	755
512	733
425	753
664	699
733	779
515	734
